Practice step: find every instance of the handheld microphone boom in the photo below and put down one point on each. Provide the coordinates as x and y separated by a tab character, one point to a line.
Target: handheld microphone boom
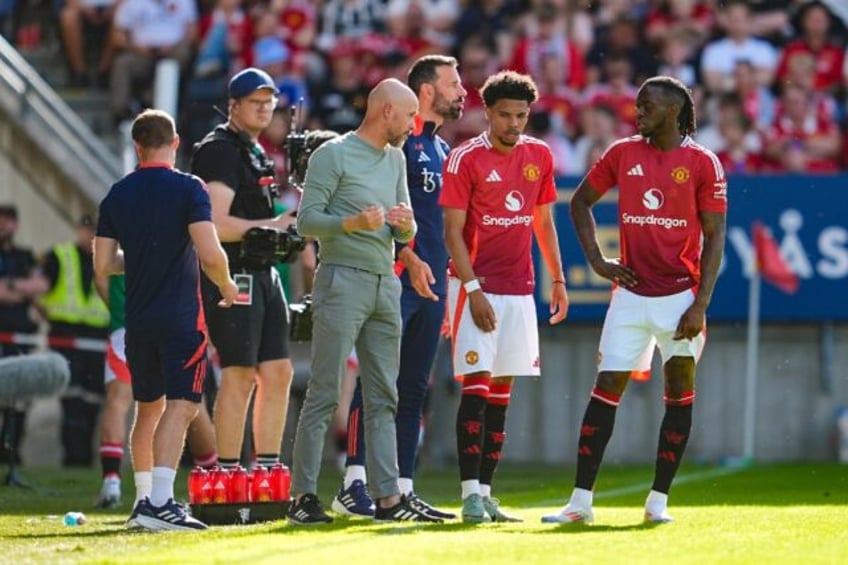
24	377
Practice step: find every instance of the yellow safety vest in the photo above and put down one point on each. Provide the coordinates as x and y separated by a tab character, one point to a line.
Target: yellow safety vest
67	301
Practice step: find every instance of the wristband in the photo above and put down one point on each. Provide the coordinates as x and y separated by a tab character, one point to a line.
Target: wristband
558	281
471	286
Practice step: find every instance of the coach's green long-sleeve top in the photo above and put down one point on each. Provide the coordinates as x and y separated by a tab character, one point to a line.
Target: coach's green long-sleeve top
346	175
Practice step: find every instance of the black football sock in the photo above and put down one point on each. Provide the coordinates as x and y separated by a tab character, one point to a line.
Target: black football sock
595	432
469	435
674	435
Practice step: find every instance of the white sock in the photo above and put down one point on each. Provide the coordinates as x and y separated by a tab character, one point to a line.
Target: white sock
353	473
405	486
163	485
485	490
143	485
656	502
581	498
470	487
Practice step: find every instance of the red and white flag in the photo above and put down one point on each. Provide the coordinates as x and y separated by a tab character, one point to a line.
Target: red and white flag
770	263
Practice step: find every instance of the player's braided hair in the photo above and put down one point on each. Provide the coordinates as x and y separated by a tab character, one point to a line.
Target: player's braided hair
508	85
683	96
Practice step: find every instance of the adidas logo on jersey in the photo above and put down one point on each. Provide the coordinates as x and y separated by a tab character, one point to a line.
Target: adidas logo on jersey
423	158
493	177
636	171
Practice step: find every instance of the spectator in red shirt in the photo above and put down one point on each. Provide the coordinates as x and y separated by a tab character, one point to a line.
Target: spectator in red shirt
618	92
546	34
226	34
298	23
802	72
555	98
622	38
801	140
758	102
737	157
671	16
816	24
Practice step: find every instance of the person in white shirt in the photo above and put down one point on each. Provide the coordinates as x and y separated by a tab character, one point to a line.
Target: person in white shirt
146	31
720	57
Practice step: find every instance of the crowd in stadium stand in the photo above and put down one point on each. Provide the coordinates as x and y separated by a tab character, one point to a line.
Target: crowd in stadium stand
769	76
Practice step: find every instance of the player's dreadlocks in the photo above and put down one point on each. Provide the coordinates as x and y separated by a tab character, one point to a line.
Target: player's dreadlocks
682	95
508	85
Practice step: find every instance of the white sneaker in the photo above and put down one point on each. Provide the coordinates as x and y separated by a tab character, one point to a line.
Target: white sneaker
570	515
661	517
110	493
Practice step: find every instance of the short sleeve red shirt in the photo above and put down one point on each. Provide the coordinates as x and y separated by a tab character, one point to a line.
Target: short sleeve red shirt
499	192
661	196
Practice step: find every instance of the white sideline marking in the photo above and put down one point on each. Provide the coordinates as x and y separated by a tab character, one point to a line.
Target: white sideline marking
646	486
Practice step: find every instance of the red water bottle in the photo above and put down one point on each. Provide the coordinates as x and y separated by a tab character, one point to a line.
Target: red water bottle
220	480
238	485
280	482
195	484
206	484
260	486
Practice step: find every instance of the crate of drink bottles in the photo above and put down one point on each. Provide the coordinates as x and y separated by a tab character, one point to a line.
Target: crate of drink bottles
238	496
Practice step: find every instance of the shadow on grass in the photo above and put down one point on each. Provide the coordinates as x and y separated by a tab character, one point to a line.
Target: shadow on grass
79	532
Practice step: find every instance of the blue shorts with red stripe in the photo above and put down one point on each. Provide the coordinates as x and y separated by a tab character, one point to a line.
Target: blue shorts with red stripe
172	365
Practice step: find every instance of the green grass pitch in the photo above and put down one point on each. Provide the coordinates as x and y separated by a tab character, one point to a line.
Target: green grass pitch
792	513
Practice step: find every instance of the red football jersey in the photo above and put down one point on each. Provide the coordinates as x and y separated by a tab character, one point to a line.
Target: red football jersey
499	192
661	195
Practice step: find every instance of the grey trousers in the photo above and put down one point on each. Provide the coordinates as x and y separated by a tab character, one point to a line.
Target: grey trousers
352	307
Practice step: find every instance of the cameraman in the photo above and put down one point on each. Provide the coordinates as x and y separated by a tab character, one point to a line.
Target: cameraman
251	337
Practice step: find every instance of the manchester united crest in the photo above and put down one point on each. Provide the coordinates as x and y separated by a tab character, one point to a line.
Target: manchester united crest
680	174
471	357
531	172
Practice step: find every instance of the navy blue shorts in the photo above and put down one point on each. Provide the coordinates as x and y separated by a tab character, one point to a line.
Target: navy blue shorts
243	335
172	365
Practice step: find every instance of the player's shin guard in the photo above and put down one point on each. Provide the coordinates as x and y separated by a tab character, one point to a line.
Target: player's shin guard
470	426
674	435
595	432
494	430
111	455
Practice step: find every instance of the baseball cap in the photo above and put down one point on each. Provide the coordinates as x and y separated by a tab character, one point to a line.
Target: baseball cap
249	81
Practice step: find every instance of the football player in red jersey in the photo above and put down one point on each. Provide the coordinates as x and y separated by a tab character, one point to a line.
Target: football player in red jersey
672	197
498	192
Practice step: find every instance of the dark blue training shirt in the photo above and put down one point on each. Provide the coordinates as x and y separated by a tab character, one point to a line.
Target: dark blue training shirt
148	212
425	154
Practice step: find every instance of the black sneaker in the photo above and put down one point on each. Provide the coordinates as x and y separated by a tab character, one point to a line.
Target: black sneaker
308	511
403	512
418	504
169	516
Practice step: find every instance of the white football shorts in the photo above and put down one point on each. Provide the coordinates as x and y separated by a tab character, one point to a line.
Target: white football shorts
635	325
512	349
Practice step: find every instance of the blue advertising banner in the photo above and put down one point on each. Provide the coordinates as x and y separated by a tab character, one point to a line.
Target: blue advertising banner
808	216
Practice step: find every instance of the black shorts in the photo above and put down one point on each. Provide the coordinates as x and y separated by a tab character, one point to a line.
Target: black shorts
173	365
248	335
